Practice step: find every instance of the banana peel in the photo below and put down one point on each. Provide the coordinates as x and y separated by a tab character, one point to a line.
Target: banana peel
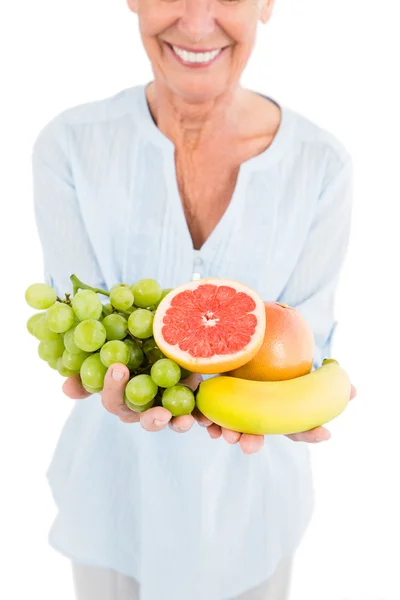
276	407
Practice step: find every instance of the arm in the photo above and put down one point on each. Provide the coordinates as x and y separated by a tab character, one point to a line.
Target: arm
67	249
65	243
312	286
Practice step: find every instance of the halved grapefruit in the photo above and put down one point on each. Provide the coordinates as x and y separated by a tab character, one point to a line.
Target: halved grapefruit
211	325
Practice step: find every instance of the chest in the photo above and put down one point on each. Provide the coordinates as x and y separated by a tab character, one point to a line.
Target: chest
206	187
139	228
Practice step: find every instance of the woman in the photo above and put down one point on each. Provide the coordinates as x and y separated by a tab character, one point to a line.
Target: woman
189	176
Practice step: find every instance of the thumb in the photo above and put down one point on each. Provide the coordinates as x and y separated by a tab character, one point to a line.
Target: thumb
112	395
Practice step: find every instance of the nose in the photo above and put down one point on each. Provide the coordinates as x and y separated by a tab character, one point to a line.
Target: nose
197	20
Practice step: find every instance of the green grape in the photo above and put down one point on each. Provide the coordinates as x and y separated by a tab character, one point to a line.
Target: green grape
114	351
51	349
92	390
40	296
149	345
165	373
69	342
116	327
147	292
41	330
140	390
152	351
107	309
126	313
154	355
140	323
164	293
121	297
93	372
90	335
87	305
136	407
60	317
53	363
135	355
179	400
119	284
63	370
32	321
74	361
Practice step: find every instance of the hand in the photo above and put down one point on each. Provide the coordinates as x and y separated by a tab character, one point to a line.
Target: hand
156	419
153	419
251	444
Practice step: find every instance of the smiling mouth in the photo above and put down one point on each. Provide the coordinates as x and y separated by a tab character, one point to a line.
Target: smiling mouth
195	58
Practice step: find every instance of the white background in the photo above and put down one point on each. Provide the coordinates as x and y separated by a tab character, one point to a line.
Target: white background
337	63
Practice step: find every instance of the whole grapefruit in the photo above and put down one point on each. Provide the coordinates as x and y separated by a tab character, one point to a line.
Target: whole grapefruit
287	350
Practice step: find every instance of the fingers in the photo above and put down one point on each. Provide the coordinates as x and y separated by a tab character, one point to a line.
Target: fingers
155	419
200	418
73	388
250	444
313	436
353	392
232	437
182	424
193	381
129	417
112	395
214	431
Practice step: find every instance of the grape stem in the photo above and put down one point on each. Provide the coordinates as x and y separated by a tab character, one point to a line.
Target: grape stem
77	284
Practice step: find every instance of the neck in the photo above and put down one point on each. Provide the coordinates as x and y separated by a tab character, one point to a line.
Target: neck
191	125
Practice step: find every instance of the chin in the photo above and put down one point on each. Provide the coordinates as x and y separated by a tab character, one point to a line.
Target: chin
196	89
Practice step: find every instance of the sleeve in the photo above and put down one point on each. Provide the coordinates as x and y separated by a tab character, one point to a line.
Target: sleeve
65	243
312	287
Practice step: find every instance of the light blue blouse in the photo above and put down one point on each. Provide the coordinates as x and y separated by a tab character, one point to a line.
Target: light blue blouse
187	516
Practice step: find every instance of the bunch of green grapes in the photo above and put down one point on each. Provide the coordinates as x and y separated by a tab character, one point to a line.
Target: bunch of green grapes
81	335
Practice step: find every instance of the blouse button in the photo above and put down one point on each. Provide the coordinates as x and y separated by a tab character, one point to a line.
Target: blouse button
197	264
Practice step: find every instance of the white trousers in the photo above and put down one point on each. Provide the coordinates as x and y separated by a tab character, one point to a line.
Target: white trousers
92	583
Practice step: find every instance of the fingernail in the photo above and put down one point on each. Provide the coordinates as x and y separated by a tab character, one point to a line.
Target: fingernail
158	423
322	439
117	375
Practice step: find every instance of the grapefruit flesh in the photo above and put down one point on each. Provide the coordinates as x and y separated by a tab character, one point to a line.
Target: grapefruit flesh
287	350
210	326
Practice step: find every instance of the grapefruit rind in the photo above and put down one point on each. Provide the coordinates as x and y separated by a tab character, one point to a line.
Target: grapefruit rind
217	363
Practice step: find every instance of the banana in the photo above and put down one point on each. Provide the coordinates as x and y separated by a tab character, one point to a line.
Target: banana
276	407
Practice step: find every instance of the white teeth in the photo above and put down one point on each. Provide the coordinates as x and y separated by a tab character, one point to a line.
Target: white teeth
196	57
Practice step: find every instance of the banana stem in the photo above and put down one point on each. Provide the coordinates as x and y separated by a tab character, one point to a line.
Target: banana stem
77	284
